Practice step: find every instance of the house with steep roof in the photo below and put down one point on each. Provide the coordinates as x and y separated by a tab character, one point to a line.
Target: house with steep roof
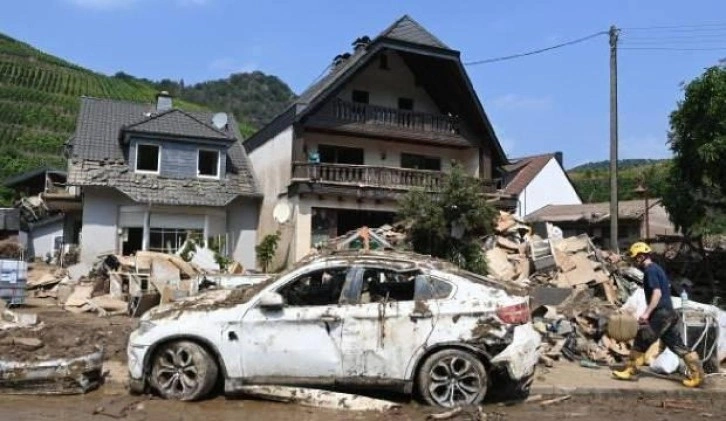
537	181
150	176
392	115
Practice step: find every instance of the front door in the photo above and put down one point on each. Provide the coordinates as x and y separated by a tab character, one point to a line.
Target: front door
385	325
301	343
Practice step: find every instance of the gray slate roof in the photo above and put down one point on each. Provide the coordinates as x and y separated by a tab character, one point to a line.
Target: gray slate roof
97	155
408	30
179	123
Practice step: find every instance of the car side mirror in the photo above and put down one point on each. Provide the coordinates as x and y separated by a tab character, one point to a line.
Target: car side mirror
272	301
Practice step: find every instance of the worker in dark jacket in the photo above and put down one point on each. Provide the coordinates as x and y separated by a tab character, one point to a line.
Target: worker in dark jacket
658	322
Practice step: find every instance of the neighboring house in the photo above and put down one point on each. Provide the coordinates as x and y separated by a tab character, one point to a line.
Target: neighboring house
150	177
43	230
35	182
388	117
538	181
594	219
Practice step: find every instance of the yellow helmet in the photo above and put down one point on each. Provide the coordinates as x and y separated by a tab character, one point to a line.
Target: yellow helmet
639	248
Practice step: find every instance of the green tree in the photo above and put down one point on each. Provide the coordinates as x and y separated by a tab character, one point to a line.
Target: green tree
266	250
449	224
696	189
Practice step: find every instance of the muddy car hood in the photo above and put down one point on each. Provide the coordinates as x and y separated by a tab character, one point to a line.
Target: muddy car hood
208	302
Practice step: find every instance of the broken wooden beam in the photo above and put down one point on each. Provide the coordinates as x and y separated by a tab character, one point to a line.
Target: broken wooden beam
318	398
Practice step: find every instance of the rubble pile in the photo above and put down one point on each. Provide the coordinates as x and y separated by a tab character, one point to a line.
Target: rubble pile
574	287
385	237
117	284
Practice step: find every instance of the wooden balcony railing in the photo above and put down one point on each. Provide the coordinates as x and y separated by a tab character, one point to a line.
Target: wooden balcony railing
371	176
352	112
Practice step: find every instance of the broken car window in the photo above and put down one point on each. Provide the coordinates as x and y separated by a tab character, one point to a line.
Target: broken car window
430	288
381	285
318	288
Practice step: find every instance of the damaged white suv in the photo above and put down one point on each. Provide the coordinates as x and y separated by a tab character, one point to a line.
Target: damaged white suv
398	321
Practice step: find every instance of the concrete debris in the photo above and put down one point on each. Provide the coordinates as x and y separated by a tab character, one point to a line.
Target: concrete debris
54	376
117	284
318	398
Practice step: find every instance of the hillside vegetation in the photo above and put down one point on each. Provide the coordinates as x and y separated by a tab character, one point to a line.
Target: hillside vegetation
40	97
592	180
254	98
39	101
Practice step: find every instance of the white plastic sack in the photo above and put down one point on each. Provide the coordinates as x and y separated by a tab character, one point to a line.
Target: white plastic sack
666	363
636	305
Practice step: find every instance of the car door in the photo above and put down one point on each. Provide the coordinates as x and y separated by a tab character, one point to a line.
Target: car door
300	342
385	325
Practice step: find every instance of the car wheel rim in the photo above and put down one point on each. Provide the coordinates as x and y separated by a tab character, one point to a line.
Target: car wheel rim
454	381
176	373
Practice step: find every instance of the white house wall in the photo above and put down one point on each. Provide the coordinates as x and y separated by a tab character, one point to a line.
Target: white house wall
272	163
105	211
386	86
550	187
42	239
242	216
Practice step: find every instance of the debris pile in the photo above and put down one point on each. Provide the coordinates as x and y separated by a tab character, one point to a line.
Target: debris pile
118	284
574	287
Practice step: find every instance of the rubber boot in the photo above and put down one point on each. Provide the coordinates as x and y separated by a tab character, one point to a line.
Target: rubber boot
631	369
695	370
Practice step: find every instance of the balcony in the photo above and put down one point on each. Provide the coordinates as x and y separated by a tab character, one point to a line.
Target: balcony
342	177
367	119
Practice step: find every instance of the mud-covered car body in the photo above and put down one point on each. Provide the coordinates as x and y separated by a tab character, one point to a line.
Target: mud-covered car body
349	319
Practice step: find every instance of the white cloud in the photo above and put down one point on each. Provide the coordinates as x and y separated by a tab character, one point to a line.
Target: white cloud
521	102
229	65
120	4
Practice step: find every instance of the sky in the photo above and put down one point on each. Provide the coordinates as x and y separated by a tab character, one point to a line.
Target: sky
555	101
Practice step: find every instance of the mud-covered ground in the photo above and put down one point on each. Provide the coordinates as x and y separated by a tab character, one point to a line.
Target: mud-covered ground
64	334
97	406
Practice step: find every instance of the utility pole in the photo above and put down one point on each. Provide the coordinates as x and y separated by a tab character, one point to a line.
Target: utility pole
614	32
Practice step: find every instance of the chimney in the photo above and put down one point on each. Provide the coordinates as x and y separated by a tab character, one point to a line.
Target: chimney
361	43
163	101
558	157
340	59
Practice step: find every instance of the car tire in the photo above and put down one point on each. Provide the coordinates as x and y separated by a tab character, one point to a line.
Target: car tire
451	378
183	370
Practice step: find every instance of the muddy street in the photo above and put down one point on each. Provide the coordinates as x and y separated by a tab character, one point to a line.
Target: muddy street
101	406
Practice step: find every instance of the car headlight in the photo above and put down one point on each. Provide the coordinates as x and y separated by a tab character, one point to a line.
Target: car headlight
145	326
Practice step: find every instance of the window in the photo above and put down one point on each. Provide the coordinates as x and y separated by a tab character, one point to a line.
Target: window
420	162
360	97
430	288
169	240
147	158
381	285
405	104
317	288
383	62
208	163
340	155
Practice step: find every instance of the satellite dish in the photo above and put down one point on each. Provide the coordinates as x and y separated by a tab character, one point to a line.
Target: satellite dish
281	212
219	120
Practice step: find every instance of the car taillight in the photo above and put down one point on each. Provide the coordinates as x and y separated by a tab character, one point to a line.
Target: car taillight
517	314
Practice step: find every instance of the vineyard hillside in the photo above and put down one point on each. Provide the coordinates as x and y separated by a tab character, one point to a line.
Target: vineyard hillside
39	101
592	181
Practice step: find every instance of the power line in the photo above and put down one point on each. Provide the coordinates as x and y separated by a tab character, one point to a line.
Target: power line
674	48
701	27
533	52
